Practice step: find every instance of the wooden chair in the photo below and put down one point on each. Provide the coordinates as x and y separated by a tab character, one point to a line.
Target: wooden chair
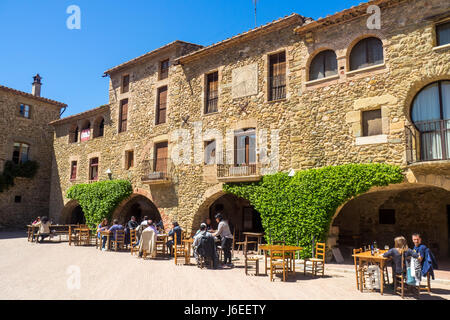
241	243
161	246
119	239
278	261
400	281
360	271
84	236
251	259
427	287
133	241
179	250
318	261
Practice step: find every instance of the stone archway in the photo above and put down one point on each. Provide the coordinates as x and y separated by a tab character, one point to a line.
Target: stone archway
72	213
383	213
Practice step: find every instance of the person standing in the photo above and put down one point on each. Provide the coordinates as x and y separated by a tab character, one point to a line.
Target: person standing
223	230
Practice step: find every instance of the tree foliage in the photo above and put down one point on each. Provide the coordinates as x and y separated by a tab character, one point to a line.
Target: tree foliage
99	199
296	209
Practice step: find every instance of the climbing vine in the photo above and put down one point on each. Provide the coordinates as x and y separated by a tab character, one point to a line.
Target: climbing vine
12	170
99	199
296	209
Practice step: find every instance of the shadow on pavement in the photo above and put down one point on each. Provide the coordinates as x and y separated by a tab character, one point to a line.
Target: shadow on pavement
12	234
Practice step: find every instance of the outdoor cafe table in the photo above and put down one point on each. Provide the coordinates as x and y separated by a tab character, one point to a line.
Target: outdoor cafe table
377	259
289	249
107	234
59	228
258	235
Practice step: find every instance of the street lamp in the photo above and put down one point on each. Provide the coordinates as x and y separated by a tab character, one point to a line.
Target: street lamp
109	173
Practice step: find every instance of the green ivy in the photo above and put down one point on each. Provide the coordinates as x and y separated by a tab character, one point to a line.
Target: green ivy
12	170
99	199
296	209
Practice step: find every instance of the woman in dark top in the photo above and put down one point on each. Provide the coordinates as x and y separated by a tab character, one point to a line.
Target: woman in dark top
401	247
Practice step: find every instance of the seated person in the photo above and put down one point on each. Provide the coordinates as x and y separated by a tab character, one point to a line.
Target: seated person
204	245
116	226
208	225
145	221
44	229
152	226
160	226
102	227
148	240
400	248
132	224
36	221
427	259
176	229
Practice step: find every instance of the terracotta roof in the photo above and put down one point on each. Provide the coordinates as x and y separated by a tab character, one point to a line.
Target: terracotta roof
81	115
345	15
29	95
148	55
281	22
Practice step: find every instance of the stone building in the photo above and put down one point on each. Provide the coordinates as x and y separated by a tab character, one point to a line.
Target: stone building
25	134
295	93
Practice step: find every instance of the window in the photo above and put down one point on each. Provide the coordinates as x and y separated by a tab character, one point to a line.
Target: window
85	131
368	52
161	107
323	65
164	69
129	159
93	169
123	115
277	76
212	92
443	34
73	170
24	111
245	147
161	153
430	114
210	152
387	216
125	83
73	134
20	153
372	123
99	127
18	199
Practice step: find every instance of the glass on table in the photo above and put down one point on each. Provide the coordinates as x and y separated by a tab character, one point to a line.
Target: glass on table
386	247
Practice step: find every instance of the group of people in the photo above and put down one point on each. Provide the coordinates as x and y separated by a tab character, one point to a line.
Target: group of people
420	258
44	224
206	238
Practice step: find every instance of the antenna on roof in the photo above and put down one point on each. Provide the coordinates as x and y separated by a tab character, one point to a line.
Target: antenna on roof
254	2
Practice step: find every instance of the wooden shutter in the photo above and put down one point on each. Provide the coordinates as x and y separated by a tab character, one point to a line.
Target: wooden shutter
164	69
161	153
212	92
125	83
73	173
277	73
162	105
123	115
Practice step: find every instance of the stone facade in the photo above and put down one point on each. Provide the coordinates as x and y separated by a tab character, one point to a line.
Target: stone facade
38	134
318	123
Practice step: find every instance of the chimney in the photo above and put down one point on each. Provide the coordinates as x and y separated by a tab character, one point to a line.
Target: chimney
36	88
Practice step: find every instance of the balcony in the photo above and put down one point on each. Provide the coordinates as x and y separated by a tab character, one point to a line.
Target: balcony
238	173
156	171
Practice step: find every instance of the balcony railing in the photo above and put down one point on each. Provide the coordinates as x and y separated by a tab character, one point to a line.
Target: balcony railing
238	173
428	141
156	171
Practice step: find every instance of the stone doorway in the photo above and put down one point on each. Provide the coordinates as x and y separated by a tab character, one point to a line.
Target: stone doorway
73	213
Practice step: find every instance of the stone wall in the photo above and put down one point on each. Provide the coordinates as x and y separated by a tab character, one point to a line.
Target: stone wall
39	135
318	123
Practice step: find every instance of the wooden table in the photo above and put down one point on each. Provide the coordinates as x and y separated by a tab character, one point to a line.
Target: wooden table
377	259
258	235
189	243
55	227
290	249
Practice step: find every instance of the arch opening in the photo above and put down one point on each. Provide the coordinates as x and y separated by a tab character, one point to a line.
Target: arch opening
138	206
73	213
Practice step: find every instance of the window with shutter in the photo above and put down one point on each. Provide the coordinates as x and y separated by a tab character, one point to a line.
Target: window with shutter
125	83
210	152
161	153
372	122
245	147
73	170
212	92
20	153
161	107
129	159
24	111
123	115
164	69
277	76
93	169
323	65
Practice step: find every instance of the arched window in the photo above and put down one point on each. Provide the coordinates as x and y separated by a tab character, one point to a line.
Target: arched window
99	126
323	65
367	52
73	134
20	153
430	114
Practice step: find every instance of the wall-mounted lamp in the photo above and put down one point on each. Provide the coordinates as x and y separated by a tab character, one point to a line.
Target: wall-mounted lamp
291	173
109	173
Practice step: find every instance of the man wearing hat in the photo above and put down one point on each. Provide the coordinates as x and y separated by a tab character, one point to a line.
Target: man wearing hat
223	230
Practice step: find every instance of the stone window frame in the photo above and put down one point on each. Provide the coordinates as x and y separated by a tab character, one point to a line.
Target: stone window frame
30	113
219	71
119	114
162	85
436	47
126	158
159	68
330	79
71	159
354	118
242	125
21	141
89	157
266	85
122	77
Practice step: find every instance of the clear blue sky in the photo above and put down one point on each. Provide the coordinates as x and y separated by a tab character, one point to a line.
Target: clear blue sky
35	38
